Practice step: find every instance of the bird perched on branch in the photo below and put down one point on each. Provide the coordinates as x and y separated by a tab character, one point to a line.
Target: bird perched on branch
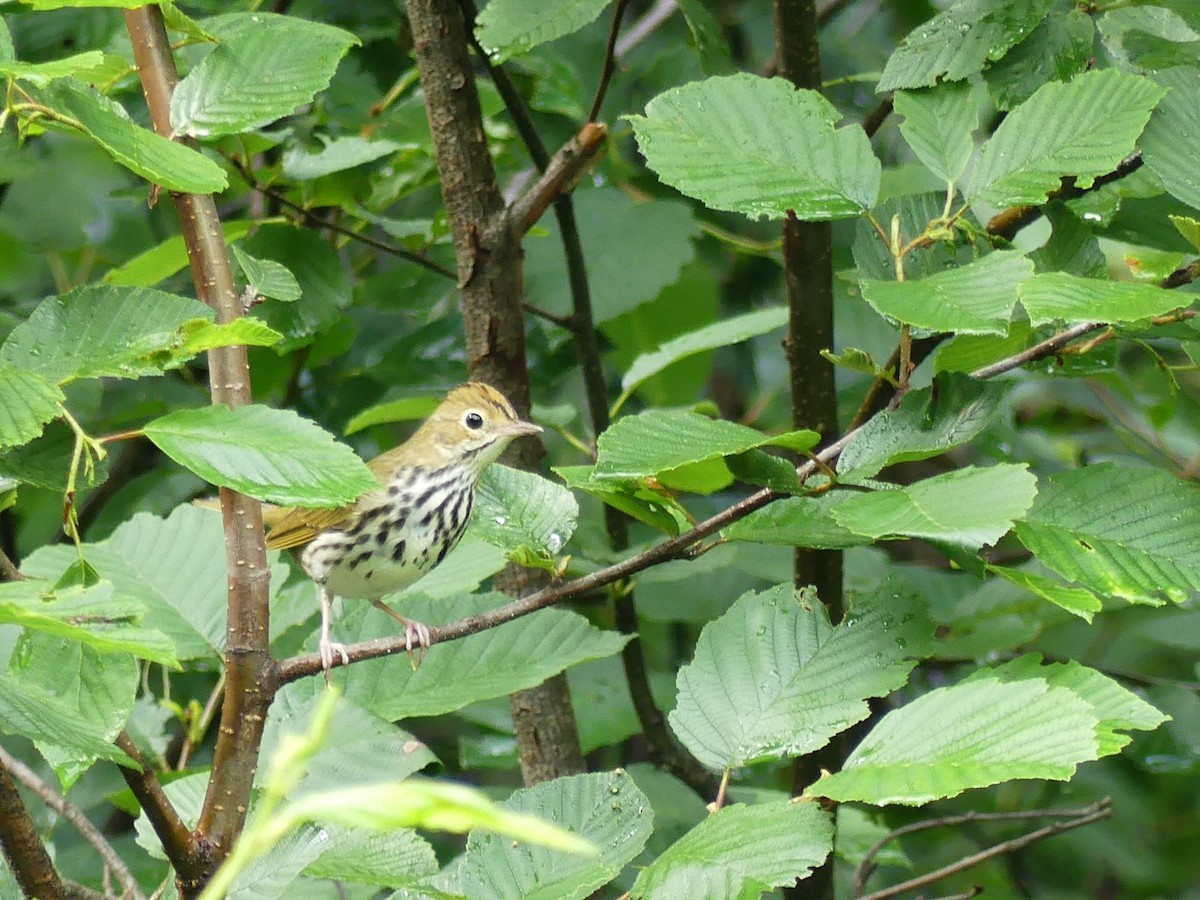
392	535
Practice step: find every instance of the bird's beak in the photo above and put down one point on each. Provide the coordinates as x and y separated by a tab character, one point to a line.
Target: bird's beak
518	428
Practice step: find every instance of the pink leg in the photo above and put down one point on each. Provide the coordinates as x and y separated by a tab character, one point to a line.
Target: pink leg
415	634
327	647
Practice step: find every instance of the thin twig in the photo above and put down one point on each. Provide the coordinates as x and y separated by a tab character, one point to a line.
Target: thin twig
610	62
74	815
308	217
642	28
563	169
1101	811
867	865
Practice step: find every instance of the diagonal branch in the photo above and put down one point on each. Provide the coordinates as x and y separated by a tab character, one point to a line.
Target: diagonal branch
73	814
1092	814
247	658
23	848
867	865
674	548
189	857
559	176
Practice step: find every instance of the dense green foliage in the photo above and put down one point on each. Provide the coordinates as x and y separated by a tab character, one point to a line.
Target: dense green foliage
1020	535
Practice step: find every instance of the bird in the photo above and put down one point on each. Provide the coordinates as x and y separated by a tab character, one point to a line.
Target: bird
392	535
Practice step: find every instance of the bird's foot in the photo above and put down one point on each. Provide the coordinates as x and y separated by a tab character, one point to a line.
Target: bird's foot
416	635
328	649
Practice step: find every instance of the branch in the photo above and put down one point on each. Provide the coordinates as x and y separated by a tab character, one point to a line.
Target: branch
8	569
1077	818
73	814
645	26
606	70
308	217
247	659
1009	222
187	854
673	548
23	848
560	175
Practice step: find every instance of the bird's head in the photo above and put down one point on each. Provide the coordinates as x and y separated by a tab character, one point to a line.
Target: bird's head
473	425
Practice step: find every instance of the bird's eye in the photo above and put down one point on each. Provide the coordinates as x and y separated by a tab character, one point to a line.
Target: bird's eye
474	421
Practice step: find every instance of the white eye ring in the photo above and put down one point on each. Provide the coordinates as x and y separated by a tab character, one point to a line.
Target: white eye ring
473	420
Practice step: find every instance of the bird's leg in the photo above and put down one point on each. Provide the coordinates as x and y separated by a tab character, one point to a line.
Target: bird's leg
327	647
415	634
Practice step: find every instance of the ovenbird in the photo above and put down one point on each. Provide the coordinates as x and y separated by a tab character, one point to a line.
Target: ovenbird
392	535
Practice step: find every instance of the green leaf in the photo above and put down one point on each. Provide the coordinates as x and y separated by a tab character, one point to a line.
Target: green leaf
770	844
394	858
98	688
492	663
100	331
201	335
615	229
324	283
41	74
928	422
747	697
937	126
361	747
733	330
529	516
959	42
1117	709
163	260
93	616
1151	38
977	298
1173	128
968	507
336	156
797	522
605	808
86	4
1125	532
511	27
27	402
174	166
403	409
1083	128
760	147
266	277
653	507
175	568
30	711
970	735
265	66
439	806
1059	297
1058	49
270	454
1072	247
660	443
1189	228
1076	600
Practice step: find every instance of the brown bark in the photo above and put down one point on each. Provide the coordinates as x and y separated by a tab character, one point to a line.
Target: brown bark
488	252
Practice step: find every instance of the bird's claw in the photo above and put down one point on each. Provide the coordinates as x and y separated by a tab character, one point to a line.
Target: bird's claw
328	649
415	633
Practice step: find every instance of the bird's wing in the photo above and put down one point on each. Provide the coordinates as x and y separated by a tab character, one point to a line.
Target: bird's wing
295	527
